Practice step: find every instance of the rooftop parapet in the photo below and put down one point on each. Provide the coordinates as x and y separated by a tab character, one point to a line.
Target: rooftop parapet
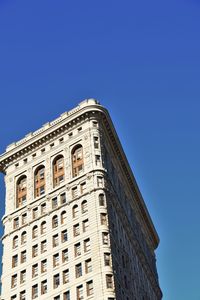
63	116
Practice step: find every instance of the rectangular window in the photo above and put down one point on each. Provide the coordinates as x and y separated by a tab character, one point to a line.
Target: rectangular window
34	291
43	246
74	192
14	260
23	200
101	200
77	249
43	208
35	213
55	240
86	245
16	223
64	236
65	255
65	276
24	218
76	229
56	280
34	250
43	266
23	276
60	178
103	218
14	297
99	181
97	160
88	266
78	270
109	281
107	259
14	281
79	292
42	190
56	260
43	287
59	165
85	225
83	188
54	203
23	256
89	288
22	295
105	238
63	198
96	142
66	295
35	270
77	162
56	298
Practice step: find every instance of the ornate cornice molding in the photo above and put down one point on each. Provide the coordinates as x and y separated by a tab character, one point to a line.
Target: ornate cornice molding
45	135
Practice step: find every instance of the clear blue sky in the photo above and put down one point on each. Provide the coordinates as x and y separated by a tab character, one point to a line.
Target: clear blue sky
141	59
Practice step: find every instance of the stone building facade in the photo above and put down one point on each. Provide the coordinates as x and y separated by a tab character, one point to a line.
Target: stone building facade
75	224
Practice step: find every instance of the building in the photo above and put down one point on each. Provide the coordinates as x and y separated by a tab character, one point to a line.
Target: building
75	224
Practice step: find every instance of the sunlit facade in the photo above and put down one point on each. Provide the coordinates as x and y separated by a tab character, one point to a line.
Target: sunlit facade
75	224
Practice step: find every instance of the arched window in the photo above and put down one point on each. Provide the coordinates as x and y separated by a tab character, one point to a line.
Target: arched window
23	237
63	217
15	242
58	170
21	191
55	221
43	227
75	211
35	232
39	181
101	200
77	161
84	206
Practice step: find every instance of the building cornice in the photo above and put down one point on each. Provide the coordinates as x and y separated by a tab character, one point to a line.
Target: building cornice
65	123
48	132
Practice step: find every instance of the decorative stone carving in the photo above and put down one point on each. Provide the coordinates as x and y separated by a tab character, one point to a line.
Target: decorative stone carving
67	187
89	176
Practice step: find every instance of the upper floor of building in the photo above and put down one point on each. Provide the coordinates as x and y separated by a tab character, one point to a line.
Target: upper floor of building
75	144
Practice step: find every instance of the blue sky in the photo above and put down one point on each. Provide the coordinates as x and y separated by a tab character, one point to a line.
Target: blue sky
140	59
